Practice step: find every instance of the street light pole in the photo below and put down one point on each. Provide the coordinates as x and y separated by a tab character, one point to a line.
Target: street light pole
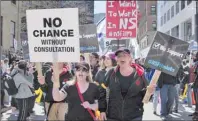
0	45
196	23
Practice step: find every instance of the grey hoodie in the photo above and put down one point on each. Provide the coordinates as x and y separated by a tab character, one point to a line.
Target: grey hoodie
24	82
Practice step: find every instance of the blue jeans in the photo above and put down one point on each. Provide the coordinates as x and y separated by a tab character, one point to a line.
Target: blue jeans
167	95
177	86
189	96
156	99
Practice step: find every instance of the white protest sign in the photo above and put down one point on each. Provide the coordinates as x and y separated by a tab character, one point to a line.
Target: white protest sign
53	35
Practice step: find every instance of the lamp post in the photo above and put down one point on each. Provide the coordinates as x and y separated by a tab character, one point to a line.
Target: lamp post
196	23
0	43
0	33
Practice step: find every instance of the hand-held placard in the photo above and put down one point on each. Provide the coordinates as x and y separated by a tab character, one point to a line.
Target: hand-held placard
154	80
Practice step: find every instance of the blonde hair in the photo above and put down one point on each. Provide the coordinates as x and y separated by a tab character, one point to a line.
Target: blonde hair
102	64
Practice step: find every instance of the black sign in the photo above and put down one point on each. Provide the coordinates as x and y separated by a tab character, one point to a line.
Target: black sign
25	47
166	53
88	39
122	44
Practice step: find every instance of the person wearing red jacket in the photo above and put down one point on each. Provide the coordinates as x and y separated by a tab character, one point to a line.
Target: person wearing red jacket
127	86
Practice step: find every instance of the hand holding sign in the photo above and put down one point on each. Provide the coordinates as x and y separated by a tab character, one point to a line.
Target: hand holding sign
52	36
41	80
165	55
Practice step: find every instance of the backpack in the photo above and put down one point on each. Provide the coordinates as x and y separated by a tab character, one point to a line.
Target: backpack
11	89
139	70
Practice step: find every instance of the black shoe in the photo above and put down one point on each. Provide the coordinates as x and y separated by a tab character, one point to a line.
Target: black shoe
193	114
163	118
155	113
176	111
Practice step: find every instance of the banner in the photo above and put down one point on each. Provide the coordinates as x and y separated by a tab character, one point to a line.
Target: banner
121	19
53	35
25	47
88	39
166	53
122	44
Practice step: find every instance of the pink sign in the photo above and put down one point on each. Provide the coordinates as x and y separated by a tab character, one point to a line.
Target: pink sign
121	19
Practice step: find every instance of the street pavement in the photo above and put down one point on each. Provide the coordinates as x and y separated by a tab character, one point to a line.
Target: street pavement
184	111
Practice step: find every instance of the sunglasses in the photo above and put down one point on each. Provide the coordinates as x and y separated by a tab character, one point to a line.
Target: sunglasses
82	69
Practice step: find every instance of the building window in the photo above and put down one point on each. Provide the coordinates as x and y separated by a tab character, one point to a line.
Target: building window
168	15
182	4
188	30
164	18
189	1
12	33
175	31
153	10
154	25
13	1
1	31
172	11
177	7
168	32
161	20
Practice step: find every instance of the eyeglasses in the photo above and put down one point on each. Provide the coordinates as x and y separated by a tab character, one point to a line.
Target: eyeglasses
82	69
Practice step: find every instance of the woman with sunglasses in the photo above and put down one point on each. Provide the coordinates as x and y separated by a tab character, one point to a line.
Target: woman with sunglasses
82	95
127	86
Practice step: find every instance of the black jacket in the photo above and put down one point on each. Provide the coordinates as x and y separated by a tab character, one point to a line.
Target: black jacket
166	79
196	75
100	76
94	70
129	107
48	86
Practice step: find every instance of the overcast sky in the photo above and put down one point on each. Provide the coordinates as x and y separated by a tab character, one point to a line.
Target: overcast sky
99	7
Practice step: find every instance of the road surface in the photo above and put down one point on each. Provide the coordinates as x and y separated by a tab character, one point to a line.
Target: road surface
184	111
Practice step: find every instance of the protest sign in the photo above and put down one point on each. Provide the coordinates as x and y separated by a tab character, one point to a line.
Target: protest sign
88	38
122	44
166	53
121	19
53	35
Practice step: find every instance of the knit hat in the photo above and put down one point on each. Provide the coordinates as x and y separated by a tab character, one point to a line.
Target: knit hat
111	55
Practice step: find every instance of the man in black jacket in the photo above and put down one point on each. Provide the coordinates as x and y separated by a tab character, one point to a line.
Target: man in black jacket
127	87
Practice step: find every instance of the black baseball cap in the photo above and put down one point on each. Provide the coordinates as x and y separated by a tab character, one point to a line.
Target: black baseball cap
127	51
82	65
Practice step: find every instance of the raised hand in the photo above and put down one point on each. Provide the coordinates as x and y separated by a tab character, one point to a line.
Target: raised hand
41	80
86	104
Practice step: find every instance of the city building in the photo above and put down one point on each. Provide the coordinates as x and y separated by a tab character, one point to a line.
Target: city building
147	25
177	18
10	23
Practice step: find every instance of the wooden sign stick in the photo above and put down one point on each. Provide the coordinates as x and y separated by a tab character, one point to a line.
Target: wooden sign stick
154	80
88	61
39	69
56	75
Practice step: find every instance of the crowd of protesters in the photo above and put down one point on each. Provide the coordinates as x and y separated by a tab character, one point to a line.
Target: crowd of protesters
110	87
